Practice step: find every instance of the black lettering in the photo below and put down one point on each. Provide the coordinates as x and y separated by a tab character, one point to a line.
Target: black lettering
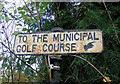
50	47
68	37
45	38
39	38
72	36
90	36
62	37
76	36
80	36
25	38
67	47
61	47
28	49
18	49
34	37
56	37
56	47
23	48
20	39
73	46
95	37
44	47
84	35
34	47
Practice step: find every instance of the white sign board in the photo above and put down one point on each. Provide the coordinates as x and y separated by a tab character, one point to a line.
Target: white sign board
73	41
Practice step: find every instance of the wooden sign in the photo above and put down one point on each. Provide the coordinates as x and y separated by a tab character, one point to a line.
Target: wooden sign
73	41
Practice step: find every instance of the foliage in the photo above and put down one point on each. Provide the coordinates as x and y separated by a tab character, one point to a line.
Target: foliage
37	16
18	77
90	16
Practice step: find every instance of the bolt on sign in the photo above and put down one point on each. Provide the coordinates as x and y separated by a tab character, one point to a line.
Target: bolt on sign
72	41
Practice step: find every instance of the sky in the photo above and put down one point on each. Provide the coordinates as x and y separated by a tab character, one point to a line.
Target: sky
7	6
19	3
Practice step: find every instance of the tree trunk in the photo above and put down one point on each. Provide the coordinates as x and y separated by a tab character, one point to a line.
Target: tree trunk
12	74
3	76
18	79
8	75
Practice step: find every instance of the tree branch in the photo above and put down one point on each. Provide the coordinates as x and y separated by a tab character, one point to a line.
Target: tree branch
84	59
111	21
21	59
112	53
78	15
39	26
30	11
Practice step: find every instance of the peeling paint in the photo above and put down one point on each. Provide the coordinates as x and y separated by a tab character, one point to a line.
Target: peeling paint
88	41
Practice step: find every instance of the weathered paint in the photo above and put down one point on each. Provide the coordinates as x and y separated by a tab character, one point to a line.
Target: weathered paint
79	41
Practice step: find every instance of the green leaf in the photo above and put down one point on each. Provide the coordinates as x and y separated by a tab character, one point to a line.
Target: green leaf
22	12
24	7
1	7
15	32
8	67
7	19
0	13
32	29
19	24
28	30
24	29
2	17
20	8
73	62
14	11
25	21
27	70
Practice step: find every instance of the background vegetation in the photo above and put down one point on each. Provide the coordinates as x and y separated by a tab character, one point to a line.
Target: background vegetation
43	16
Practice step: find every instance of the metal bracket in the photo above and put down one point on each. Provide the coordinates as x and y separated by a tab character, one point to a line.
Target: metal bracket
54	67
57	57
55	62
57	29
